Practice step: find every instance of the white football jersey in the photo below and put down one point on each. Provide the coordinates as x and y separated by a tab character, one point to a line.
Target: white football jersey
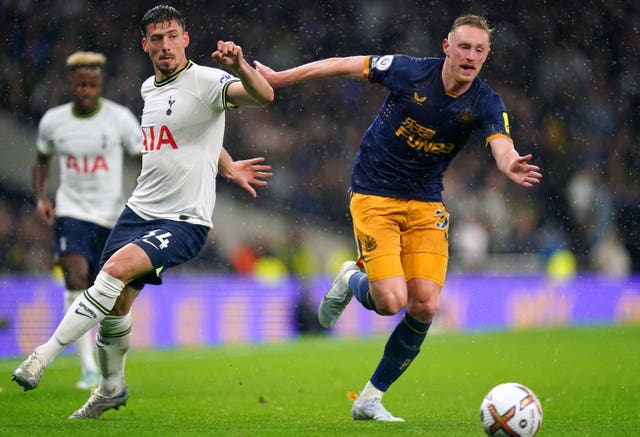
183	122
90	153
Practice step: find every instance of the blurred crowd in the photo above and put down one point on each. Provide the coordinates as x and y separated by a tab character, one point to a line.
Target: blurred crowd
568	73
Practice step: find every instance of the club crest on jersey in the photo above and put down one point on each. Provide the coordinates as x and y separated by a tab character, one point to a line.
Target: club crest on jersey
370	243
465	116
151	143
171	102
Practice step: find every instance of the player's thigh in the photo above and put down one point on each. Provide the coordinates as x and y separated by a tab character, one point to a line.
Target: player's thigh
377	223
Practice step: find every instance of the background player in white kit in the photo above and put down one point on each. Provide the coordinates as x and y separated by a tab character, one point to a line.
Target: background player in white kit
167	218
89	135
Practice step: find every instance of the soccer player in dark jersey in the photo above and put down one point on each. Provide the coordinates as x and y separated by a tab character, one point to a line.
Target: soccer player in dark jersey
400	222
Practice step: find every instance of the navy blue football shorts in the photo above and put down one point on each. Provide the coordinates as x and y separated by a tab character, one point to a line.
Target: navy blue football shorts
168	243
79	236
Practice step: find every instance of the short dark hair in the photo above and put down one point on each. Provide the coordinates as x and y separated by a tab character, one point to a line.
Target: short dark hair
161	14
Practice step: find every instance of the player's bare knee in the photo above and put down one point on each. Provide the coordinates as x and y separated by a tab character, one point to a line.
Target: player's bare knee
425	310
116	270
432	307
389	305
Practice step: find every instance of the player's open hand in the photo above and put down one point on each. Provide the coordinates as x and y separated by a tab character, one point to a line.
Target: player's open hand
248	173
523	173
228	54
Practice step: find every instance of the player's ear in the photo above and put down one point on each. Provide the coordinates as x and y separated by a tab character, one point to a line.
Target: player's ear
144	44
445	46
186	39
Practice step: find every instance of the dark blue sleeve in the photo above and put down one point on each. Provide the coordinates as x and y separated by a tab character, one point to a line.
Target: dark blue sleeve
390	71
396	72
495	118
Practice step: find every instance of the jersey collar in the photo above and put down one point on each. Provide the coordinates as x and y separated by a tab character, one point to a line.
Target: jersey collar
174	77
89	115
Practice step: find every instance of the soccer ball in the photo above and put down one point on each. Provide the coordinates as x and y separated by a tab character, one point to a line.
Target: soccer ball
511	409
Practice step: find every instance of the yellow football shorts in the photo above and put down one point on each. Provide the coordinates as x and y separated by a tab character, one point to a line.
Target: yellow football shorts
401	237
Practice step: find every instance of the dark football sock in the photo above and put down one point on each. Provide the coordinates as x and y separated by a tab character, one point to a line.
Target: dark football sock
359	285
401	348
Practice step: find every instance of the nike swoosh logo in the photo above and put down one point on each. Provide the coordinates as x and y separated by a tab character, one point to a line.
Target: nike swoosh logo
82	313
149	242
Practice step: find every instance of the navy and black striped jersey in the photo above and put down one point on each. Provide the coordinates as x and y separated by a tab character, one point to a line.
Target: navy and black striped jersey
420	128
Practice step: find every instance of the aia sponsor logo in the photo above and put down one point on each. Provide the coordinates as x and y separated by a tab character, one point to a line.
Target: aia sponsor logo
154	140
86	164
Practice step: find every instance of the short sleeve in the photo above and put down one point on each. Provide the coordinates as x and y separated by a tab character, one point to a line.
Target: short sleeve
213	84
496	119
130	132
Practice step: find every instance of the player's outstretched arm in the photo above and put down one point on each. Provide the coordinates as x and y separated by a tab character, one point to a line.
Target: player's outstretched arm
352	66
514	166
245	173
253	90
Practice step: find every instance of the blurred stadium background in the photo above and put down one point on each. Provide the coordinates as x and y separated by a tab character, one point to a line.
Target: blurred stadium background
568	72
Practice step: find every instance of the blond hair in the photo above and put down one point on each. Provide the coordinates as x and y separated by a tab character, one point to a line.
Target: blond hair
86	60
472	20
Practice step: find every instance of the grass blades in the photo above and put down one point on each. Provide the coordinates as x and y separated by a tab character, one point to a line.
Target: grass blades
588	380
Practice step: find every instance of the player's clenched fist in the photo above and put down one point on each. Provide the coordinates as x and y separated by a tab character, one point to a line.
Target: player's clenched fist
228	54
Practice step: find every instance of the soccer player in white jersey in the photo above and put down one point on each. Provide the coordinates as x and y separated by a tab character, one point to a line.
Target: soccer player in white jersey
89	135
168	216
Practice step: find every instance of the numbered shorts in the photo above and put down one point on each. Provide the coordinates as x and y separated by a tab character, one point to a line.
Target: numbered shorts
82	237
168	243
401	237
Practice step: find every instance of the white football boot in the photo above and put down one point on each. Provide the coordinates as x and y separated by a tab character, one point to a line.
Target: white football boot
337	298
98	404
372	409
28	374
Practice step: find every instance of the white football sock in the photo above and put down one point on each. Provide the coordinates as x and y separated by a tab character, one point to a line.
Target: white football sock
114	339
85	312
85	343
370	392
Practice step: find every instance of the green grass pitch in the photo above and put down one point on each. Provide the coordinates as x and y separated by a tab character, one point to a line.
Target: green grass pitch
588	380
